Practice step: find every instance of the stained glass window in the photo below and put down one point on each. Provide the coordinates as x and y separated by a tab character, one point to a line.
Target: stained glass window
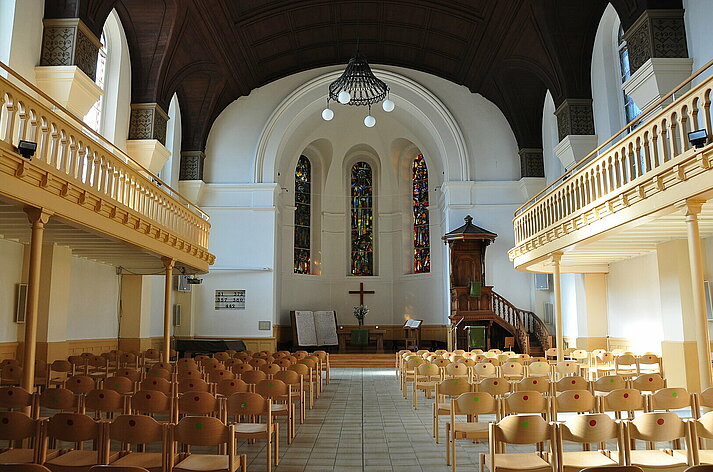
303	213
94	115
362	197
421	236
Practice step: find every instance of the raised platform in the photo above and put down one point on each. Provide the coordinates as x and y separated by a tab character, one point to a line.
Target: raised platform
361	360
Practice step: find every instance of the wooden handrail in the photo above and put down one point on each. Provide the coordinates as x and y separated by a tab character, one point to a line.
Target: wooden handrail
636	121
525	322
98	137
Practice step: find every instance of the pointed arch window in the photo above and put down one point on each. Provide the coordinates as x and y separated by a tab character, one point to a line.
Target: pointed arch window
421	235
93	118
362	219
303	215
631	111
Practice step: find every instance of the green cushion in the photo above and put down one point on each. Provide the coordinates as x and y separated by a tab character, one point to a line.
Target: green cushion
360	337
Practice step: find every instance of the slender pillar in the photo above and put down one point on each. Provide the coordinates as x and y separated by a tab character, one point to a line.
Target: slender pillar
556	257
38	218
168	287
692	209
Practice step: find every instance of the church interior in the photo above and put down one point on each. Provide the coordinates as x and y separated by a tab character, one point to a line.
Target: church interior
356	235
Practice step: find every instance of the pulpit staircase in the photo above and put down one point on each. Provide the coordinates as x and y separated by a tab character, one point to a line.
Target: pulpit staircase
530	332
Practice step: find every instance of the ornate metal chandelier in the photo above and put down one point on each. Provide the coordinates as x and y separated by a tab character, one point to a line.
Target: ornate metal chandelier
358	86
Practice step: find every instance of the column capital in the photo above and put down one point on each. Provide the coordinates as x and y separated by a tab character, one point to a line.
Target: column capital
556	257
148	121
168	262
531	162
575	117
37	216
656	34
192	165
691	206
69	42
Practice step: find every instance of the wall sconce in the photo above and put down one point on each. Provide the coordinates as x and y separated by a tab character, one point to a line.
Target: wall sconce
698	138
27	149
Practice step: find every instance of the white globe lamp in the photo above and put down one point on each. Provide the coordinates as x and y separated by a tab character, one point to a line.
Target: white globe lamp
344	97
388	105
327	114
369	121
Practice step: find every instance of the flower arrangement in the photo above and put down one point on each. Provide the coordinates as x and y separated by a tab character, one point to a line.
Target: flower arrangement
360	312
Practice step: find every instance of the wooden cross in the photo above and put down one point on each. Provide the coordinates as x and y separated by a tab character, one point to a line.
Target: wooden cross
361	292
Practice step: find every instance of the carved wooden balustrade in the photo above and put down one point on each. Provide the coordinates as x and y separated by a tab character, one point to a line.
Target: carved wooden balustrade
89	171
526	323
650	159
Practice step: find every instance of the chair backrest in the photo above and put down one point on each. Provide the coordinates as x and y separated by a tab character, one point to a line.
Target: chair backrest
657	427
150	401
14	398
11	372
526	402
670	399
272	388
218	375
283	362
290	377
155	383
152	354
538	368
24	468
496	386
159	372
705	398
202	431
253	376
649	361
475	403
522	429
15	425
135	429
485	369
453	387
104	400
300	369
257	362
627	361
193	385
575	401
432	371
703	426
221	356
573	382
566	367
198	403
648	382
227	387
608	383
579	355
120	384
240	369
247	404
537	384
73	427
59	399
512	368
187	373
270	369
441	362
590	428
623	399
130	373
80	384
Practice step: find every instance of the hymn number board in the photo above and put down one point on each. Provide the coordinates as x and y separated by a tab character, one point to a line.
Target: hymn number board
230	299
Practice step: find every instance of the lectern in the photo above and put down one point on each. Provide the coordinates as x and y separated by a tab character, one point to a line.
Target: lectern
412	334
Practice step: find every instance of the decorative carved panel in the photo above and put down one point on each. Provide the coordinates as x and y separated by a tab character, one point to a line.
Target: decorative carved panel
575	117
148	121
192	165
531	163
68	42
657	33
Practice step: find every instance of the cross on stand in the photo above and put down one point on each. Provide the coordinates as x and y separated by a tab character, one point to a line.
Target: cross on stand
361	292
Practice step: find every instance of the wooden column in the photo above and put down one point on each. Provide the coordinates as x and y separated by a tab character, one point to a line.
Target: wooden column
168	288
38	218
692	209
556	257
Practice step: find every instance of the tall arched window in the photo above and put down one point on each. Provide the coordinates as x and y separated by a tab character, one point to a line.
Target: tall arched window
631	111
93	118
362	201
421	235
303	215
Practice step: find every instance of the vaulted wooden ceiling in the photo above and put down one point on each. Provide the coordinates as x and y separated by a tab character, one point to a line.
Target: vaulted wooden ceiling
211	52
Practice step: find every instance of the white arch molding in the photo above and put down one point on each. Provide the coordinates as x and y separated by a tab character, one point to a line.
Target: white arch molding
447	143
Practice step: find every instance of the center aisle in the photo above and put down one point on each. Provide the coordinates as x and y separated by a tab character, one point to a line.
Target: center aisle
362	423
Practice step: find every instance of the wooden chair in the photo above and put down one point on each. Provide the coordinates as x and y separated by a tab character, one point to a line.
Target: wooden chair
252	377
198	404
536	384
582	359
58	372
76	428
10	374
626	365
484	370
15	398
521	430
315	372
659	427
574	382
58	399
426	378
566	368
526	402
270	369
23	468
296	384
156	384
152	402
574	401
539	369
597	428
216	376
204	431
608	383
105	401
622	400
512	371
603	364
496	386
281	395
648	383
134	374
456	370
16	426
308	384
445	390
80	384
156	371
123	385
138	430
245	409
651	364
324	361
227	387
614	468
672	398
471	404
98	367
192	385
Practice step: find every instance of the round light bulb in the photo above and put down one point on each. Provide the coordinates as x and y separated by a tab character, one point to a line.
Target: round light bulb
388	105
344	97
369	121
327	114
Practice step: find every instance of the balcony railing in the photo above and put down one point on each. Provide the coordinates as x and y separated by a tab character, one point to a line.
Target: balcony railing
79	156
659	139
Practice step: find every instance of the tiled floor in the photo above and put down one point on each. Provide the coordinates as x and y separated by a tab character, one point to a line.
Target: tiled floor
362	423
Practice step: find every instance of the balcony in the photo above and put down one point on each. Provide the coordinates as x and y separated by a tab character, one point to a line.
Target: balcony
623	200
105	206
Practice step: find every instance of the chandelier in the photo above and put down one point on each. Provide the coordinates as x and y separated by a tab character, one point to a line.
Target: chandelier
358	86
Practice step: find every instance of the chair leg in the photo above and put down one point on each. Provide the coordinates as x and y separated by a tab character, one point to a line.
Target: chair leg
448	444
453	449
268	452
243	463
277	444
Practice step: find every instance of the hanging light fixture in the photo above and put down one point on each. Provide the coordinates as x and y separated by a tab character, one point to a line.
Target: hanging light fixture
358	86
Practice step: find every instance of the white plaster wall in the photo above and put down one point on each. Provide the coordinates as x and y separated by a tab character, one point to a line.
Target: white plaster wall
11	255
26	39
550	139
171	169
698	17
634	303
7	15
607	98
570	304
93	300
117	87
